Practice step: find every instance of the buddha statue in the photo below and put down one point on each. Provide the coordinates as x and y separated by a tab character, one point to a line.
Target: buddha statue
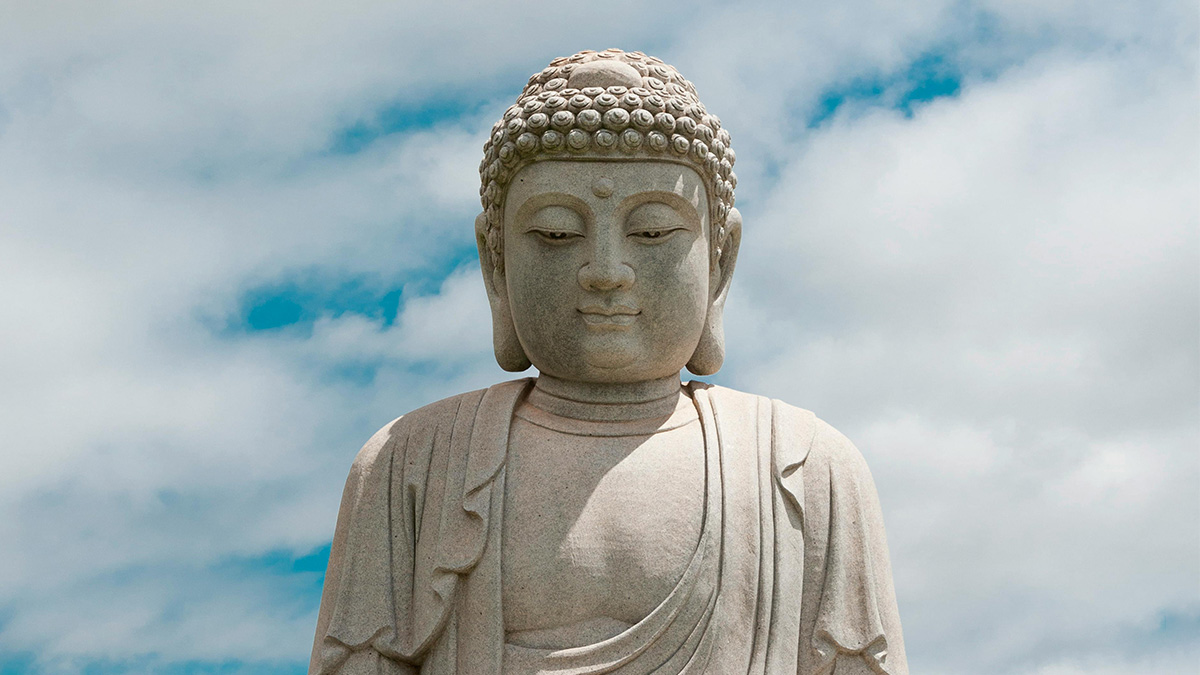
604	517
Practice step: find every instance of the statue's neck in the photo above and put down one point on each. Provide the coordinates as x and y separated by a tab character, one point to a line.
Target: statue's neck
607	402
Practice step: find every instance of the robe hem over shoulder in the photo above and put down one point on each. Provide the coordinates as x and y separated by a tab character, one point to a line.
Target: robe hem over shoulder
804	582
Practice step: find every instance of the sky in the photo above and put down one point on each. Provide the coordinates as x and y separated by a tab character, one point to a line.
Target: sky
236	239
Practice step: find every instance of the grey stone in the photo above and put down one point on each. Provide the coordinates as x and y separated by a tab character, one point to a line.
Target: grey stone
604	517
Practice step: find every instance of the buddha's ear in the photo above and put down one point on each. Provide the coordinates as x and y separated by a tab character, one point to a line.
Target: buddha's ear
728	258
710	353
509	352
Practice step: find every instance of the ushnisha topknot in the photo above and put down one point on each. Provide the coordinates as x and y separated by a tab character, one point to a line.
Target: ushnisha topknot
601	105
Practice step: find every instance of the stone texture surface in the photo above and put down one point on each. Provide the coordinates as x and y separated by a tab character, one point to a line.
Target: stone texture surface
605	517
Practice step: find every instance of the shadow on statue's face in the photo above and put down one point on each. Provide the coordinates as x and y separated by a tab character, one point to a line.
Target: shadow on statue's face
607	267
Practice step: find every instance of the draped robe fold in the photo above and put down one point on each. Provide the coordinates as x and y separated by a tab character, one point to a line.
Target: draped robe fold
791	574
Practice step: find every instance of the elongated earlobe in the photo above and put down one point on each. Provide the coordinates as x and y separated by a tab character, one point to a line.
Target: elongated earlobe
509	352
710	352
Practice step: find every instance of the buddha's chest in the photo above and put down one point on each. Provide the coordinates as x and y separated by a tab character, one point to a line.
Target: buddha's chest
597	527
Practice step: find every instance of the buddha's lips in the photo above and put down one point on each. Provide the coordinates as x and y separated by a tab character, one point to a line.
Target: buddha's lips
618	315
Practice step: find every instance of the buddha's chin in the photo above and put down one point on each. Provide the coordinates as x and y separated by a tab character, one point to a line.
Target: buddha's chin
621	368
609	361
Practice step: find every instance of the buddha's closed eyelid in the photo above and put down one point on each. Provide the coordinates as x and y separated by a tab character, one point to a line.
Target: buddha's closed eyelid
550	210
556	218
655	221
555	225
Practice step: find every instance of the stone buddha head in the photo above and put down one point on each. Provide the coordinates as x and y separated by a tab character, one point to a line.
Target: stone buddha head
608	235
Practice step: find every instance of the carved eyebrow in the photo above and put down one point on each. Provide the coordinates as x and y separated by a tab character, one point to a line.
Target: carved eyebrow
540	200
563	219
680	204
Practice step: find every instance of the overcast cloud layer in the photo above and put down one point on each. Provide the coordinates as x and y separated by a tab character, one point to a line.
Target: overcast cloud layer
235	240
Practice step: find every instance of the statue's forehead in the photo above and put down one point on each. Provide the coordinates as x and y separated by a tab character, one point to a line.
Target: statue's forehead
619	179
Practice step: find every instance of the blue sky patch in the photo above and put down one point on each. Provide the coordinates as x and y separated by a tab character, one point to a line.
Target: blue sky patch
281	562
25	664
1177	627
927	78
404	116
297	300
17	663
301	300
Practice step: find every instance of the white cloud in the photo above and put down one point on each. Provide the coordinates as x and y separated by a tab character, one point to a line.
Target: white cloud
997	298
1173	661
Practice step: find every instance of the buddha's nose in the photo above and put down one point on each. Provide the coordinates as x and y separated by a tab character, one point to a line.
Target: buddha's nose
606	275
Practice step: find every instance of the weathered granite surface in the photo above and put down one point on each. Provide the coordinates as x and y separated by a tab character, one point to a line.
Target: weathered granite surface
604	517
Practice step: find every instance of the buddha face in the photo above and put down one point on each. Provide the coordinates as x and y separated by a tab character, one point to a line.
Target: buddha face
607	272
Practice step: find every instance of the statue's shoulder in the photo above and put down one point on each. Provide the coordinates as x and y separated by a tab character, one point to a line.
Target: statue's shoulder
413	435
798	435
422	420
441	411
830	448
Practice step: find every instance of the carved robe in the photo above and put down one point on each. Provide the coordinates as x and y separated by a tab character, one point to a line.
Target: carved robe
791	573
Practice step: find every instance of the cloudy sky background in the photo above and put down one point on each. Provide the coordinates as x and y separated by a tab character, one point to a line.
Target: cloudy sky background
235	239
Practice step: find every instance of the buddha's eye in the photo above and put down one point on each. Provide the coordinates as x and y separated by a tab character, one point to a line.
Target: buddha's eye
556	224
553	235
654	222
652	234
